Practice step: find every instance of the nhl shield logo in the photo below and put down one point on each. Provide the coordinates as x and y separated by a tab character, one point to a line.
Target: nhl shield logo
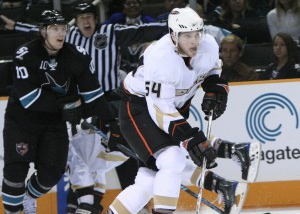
22	148
100	41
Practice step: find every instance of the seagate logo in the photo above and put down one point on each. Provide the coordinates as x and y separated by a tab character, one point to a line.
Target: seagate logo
262	113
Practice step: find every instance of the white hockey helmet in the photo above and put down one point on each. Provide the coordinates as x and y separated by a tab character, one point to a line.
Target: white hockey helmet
184	20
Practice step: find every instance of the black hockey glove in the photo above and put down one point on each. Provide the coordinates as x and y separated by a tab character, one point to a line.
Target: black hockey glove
215	97
115	136
216	102
71	109
199	148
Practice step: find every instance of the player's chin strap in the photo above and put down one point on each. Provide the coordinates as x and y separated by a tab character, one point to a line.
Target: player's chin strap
128	152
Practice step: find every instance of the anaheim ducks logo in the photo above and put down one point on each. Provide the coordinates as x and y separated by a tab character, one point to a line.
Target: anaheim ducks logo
100	41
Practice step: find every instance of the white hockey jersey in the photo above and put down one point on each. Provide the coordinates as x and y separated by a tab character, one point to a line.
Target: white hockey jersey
166	81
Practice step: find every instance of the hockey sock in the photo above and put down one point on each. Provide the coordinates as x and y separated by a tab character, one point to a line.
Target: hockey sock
208	181
12	196
34	188
98	196
212	182
223	148
72	202
85	195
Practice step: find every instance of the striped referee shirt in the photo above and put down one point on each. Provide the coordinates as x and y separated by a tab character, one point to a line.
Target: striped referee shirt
104	45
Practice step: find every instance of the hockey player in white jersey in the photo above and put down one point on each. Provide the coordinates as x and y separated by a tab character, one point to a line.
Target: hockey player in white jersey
88	162
154	111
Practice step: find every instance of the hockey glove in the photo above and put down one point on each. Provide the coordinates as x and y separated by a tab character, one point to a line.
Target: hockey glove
71	109
216	102
199	148
115	136
215	97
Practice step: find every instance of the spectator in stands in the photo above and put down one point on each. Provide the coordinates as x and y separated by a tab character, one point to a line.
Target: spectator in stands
234	69
262	7
170	5
132	14
217	32
286	63
12	3
239	18
285	17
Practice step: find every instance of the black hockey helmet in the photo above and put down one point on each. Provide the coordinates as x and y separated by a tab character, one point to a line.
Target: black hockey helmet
49	17
84	8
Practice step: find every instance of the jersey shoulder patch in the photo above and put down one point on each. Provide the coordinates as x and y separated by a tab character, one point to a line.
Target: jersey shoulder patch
21	52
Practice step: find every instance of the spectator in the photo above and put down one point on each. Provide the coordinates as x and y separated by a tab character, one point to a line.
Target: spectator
285	17
12	3
262	6
217	32
239	18
170	5
286	63
132	14
234	69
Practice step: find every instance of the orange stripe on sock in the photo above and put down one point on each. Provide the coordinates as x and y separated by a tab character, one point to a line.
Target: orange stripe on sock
137	129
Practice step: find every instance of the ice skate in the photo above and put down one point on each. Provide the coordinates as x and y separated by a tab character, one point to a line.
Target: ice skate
85	208
232	194
247	155
29	205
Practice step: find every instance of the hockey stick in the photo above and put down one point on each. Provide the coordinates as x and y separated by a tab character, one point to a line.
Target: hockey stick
94	128
202	178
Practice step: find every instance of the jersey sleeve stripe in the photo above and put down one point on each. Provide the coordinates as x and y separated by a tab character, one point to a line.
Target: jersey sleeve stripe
91	95
29	98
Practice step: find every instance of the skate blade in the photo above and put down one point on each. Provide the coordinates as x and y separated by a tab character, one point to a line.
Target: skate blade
240	194
254	153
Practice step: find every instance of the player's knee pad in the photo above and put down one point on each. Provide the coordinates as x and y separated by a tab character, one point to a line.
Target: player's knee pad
16	172
145	179
48	175
171	159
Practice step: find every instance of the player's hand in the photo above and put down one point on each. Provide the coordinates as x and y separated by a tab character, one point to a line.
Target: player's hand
9	23
71	109
216	102
199	148
215	97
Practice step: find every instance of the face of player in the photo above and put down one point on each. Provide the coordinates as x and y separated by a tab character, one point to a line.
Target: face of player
188	43
279	48
86	23
230	54
54	36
